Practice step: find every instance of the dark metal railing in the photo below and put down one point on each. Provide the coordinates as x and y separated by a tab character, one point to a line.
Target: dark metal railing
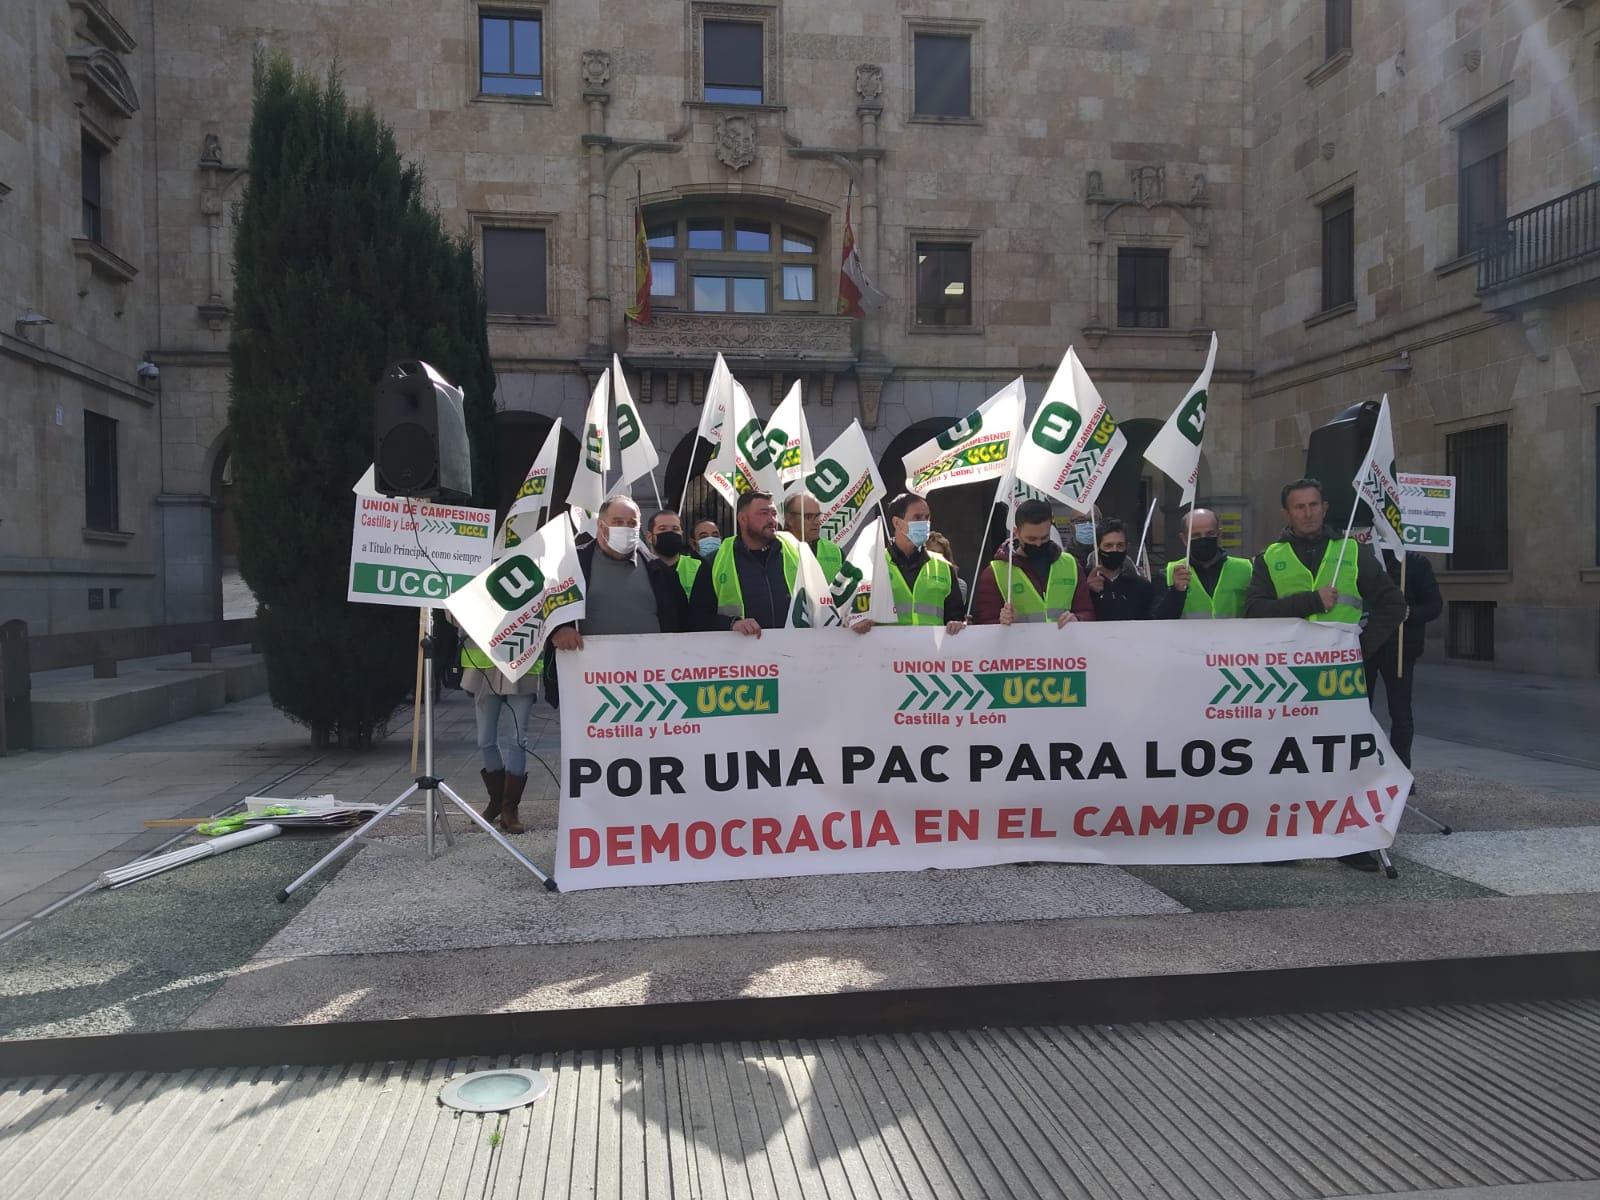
1551	234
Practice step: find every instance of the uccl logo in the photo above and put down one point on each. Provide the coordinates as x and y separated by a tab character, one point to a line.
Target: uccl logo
751	697
515	582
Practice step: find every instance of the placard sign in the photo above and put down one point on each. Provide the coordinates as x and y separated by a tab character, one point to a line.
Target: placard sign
413	553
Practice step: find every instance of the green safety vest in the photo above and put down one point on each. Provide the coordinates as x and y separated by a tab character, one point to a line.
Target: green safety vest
831	558
471	656
1290	578
923	602
725	576
688	568
1231	585
1025	598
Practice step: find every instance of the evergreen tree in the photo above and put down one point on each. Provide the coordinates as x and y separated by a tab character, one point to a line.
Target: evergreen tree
340	268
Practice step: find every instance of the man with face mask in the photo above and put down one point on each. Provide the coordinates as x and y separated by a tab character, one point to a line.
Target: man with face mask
1078	537
624	593
1210	584
1045	583
1120	592
924	582
664	535
802	517
706	539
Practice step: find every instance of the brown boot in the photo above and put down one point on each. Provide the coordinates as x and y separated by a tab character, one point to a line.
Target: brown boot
495	783
513	797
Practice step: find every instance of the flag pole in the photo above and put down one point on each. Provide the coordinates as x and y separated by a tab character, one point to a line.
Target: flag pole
1144	537
1400	648
972	592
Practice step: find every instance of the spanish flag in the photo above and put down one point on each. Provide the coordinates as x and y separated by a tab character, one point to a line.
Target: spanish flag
640	312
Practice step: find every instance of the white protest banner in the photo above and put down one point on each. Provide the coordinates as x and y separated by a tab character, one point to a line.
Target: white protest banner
705	756
1073	441
1175	450
634	448
1428	510
788	437
1375	483
975	448
743	461
509	609
588	489
413	553
856	590
845	484
533	496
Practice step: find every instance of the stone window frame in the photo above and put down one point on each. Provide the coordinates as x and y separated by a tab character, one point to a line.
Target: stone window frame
479	9
1166	242
742	263
545	222
766	13
973	32
973	238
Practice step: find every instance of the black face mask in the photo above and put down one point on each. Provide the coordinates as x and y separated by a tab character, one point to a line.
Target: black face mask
1203	549
1041	550
670	543
1112	560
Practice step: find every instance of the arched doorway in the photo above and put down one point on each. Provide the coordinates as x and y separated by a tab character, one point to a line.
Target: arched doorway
685	487
963	514
1130	488
519	436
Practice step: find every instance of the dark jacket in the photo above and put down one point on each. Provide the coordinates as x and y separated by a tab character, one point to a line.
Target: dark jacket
1169	600
987	603
910	566
1384	604
761	582
1126	598
1422	597
672	609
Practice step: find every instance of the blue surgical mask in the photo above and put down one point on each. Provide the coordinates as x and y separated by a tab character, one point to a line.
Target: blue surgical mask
709	546
1083	534
917	532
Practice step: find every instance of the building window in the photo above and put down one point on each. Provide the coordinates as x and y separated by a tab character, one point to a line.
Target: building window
99	472
731	262
944	283
510	54
733	62
1141	288
94	157
1337	27
1481	182
515	272
942	83
1470	630
1477	458
1339	251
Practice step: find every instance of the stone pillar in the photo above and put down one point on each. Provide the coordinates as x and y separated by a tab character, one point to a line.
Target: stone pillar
599	224
869	87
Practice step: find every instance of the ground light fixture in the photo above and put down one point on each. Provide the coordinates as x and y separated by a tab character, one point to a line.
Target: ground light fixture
499	1090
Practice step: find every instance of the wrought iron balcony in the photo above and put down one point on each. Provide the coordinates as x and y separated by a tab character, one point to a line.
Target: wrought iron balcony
1545	249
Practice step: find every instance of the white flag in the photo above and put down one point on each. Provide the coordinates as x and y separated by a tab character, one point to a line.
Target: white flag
1073	441
1375	483
367	485
1175	450
976	448
588	490
811	604
845	484
510	607
634	447
719	394
743	459
862	588
788	438
533	497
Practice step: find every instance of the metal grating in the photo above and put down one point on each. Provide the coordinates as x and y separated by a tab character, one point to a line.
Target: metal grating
1318	1105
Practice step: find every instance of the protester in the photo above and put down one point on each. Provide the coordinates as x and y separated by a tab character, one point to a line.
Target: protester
504	777
923	580
1210	583
1044	580
1423	604
623	592
747	586
1120	592
802	517
706	539
664	535
1079	539
1311	571
939	544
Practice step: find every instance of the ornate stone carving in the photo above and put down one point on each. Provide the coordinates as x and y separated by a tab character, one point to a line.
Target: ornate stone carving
596	68
1197	189
736	141
1149	185
211	152
869	81
698	334
1094	186
1474	59
1327	150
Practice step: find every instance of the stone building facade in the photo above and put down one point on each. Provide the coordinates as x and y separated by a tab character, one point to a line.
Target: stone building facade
1123	178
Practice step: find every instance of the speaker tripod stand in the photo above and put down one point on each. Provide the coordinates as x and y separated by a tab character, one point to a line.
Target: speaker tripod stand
431	786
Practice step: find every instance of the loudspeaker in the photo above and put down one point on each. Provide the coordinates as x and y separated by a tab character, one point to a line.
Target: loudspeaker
1334	455
419	435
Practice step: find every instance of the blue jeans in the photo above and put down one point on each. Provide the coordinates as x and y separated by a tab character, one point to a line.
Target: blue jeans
489	705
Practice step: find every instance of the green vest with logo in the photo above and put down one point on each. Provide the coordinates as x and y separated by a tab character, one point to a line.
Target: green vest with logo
831	558
688	568
1025	599
725	576
922	603
1229	598
1290	578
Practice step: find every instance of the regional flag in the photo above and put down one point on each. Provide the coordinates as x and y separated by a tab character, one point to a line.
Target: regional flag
640	310
1175	451
856	293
